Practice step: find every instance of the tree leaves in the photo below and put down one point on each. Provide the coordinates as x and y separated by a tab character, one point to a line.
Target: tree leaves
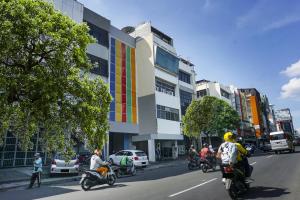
209	115
44	83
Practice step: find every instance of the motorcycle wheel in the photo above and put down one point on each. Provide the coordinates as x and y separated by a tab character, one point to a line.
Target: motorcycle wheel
190	166
111	179
133	173
233	192
84	184
118	174
204	168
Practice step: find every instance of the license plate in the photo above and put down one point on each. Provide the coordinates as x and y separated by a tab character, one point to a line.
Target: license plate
64	170
144	163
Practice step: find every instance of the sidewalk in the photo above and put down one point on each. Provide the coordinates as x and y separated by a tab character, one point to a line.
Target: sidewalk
19	177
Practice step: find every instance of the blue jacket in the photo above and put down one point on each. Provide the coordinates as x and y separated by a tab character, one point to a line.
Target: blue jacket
37	165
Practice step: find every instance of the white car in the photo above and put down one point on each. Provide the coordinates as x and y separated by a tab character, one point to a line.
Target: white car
140	159
60	166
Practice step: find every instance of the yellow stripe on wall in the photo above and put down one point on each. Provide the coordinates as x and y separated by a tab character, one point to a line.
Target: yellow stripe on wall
133	87
118	82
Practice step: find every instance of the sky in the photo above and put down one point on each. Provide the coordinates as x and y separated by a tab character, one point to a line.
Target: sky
249	43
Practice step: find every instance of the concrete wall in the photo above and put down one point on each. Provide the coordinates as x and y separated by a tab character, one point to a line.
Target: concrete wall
168	127
167	100
147	114
71	8
145	63
98	50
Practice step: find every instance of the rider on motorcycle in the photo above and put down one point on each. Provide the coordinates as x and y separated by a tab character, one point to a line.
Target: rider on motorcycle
98	164
126	163
227	152
242	157
205	153
193	154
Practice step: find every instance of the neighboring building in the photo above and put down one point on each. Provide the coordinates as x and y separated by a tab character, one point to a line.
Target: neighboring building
163	77
215	89
209	88
272	118
266	111
251	112
114	58
187	91
284	120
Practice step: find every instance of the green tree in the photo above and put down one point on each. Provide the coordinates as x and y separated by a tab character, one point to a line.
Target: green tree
209	115
44	82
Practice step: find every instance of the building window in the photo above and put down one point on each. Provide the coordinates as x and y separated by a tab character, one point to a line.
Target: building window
166	60
98	33
100	66
184	77
164	112
225	94
165	87
185	100
201	93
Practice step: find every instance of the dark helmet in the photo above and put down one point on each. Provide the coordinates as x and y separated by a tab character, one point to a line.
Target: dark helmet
205	145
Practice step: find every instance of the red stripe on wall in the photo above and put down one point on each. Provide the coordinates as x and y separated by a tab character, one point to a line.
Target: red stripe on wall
123	83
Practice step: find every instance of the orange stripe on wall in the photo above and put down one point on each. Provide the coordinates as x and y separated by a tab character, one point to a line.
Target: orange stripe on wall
255	115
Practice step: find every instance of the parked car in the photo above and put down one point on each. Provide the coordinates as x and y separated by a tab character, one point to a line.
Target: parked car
140	159
60	165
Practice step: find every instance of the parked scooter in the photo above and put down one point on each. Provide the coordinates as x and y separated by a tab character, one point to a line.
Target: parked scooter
125	171
210	163
92	178
235	182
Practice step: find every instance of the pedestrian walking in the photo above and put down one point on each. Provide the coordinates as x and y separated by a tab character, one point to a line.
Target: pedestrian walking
37	171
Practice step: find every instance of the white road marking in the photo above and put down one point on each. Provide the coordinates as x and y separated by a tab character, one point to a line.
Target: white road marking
173	195
253	163
269	156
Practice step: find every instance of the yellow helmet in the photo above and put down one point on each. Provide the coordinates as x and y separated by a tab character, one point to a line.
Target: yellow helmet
229	137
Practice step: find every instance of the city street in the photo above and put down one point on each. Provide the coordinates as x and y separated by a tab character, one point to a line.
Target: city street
276	177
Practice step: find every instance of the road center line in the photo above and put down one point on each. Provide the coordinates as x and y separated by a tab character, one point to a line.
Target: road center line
173	195
253	163
269	156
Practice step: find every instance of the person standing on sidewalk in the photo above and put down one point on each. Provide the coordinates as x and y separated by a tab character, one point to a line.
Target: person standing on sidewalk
37	171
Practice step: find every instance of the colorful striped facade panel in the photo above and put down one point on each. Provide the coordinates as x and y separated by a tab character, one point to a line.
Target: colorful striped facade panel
123	83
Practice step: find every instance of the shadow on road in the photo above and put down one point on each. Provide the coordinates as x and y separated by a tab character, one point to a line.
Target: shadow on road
107	186
265	192
35	193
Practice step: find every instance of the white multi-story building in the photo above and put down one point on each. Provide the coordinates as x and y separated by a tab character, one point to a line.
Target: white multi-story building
209	88
163	77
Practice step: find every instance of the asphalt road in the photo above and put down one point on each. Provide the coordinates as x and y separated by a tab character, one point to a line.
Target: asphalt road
276	177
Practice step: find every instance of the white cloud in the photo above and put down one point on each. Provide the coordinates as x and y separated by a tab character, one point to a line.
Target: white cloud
290	19
266	16
293	70
291	89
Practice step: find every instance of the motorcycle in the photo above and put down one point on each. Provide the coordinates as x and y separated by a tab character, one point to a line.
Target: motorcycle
194	164
92	178
207	164
235	182
125	171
